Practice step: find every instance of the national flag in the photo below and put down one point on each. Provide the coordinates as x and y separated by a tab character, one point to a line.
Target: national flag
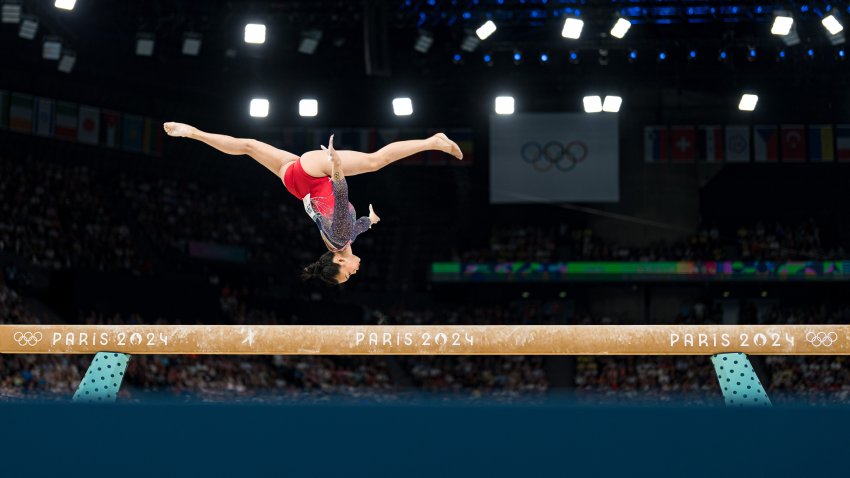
842	142
710	143
820	143
88	125
132	129
655	144
683	148
738	144
66	120
44	116
20	113
765	143
153	136
111	128
793	143
4	109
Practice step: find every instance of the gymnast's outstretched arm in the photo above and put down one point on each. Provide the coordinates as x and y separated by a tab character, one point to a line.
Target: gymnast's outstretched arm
272	158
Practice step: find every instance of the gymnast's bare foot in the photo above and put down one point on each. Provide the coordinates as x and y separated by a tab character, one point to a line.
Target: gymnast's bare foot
178	130
446	145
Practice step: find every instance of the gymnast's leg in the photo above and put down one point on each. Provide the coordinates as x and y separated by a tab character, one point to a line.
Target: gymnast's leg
272	158
315	163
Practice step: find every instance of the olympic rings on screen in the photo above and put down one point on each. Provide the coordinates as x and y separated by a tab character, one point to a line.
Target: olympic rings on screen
554	154
821	338
27	338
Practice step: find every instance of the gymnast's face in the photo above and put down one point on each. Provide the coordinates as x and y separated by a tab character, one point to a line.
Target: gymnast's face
348	266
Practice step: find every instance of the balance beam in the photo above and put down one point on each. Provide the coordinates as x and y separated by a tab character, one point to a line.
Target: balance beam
427	340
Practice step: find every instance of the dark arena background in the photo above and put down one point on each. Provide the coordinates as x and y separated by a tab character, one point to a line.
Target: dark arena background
640	265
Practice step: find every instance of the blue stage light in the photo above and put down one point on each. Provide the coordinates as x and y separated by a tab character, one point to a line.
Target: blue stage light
841	53
544	57
662	56
573	56
487	58
457	57
759	9
804	8
781	53
467	15
722	55
517	56
633	55
692	54
752	52
810	52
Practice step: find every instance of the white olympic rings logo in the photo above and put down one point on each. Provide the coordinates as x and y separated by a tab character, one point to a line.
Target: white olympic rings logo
27	338
562	156
821	338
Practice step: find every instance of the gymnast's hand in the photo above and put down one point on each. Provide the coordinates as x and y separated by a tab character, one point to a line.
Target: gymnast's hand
372	216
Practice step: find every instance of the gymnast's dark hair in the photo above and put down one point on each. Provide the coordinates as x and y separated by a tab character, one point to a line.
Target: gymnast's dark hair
325	269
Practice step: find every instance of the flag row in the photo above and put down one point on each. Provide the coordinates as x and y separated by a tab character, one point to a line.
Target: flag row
50	118
788	143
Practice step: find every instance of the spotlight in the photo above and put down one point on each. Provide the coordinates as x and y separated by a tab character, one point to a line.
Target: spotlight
632	56
308	107
423	42
751	54
780	56
255	33
310	42
29	27
620	28
517	57
191	44
722	55
748	102
810	54
66	63
782	24
504	105
592	104
51	48
544	57
692	55
144	44
835	29
402	106
486	30
65	4
488	59
572	28
662	55
573	56
832	25
841	54
259	108
612	104
11	11
457	58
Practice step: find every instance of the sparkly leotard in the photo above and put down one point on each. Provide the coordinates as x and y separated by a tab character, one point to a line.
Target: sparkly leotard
338	225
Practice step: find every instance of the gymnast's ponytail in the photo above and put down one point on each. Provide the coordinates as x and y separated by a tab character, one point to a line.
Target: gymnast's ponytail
325	269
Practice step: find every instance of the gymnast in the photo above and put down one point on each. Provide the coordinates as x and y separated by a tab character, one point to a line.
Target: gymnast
317	178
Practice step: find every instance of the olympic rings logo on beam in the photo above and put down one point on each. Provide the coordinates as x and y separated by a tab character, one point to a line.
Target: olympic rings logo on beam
27	338
821	338
563	157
